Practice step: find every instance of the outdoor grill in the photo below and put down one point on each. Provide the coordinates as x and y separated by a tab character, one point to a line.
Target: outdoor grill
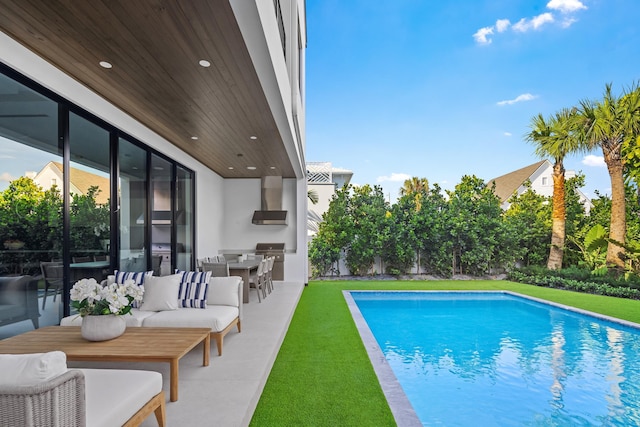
275	250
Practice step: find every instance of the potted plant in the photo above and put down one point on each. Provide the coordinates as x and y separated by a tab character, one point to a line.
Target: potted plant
102	307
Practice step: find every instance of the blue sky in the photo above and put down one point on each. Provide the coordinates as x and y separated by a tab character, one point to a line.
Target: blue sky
442	89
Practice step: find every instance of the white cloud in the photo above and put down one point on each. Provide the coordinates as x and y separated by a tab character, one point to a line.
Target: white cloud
534	23
567	22
502	25
592	160
6	176
520	98
507	134
566	6
481	36
395	177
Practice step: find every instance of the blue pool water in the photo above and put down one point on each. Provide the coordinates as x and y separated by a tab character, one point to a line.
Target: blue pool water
494	359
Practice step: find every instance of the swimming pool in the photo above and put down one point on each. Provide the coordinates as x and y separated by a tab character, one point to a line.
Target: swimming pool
500	359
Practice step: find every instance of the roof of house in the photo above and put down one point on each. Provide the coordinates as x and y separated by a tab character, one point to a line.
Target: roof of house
507	185
82	180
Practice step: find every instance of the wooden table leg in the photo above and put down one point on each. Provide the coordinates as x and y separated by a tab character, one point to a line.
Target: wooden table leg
173	388
207	350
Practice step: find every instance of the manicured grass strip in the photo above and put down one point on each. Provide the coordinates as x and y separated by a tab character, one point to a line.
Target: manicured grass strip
322	375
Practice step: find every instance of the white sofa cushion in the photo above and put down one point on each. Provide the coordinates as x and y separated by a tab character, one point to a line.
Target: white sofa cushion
161	293
215	317
114	395
133	319
224	291
31	369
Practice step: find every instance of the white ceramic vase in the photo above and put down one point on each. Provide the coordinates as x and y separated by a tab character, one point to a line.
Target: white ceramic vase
103	327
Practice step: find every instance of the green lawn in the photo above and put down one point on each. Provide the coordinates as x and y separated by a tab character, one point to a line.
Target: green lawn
322	375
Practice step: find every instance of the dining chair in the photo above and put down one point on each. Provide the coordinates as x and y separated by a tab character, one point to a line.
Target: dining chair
217	269
77	259
270	261
52	275
101	257
257	281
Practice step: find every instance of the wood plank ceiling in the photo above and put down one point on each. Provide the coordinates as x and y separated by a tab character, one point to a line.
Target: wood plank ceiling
155	47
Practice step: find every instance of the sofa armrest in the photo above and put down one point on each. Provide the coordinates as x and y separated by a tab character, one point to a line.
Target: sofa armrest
59	401
226	290
14	289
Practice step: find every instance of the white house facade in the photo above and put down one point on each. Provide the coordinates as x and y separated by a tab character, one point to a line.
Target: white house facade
207	97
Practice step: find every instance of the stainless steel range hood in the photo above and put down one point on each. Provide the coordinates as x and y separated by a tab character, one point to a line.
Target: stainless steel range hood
271	212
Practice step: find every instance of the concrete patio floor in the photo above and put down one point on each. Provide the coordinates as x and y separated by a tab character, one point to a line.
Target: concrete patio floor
226	392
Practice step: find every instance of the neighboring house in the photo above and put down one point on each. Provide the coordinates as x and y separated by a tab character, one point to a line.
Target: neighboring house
79	180
324	180
540	175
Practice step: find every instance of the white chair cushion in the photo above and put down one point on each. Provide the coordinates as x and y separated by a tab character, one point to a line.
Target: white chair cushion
161	293
215	318
224	291
114	395
31	369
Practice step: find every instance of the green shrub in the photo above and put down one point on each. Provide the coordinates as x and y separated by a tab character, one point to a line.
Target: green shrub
553	279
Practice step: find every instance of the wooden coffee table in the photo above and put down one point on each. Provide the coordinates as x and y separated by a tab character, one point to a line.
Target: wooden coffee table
137	344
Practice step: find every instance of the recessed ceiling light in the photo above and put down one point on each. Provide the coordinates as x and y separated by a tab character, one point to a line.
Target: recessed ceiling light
253	137
158	168
105	64
251	168
195	138
204	63
272	167
230	168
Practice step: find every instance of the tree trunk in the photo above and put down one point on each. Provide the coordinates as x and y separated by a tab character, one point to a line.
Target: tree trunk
618	227
558	218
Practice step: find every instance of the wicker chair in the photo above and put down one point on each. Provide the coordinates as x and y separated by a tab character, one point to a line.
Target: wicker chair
61	401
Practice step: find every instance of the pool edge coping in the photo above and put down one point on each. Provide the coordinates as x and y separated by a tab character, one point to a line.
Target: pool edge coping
401	408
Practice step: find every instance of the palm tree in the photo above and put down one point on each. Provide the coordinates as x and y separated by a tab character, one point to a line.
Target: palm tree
417	187
609	124
312	195
556	137
414	185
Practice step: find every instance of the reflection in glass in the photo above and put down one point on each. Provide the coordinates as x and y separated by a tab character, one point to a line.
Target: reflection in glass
161	215
90	195
31	208
184	217
132	206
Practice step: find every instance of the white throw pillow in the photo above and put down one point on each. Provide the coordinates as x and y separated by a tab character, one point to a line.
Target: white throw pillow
161	293
31	369
223	291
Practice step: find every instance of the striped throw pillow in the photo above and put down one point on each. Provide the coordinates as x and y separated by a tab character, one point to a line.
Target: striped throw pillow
137	277
193	288
193	295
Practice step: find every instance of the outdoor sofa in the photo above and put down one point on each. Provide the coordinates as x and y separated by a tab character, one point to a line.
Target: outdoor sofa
38	390
18	300
221	312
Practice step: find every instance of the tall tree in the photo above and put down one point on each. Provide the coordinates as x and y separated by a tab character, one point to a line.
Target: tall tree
556	137
417	187
611	124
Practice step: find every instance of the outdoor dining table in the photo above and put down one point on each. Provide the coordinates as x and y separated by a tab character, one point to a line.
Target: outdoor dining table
244	270
95	269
